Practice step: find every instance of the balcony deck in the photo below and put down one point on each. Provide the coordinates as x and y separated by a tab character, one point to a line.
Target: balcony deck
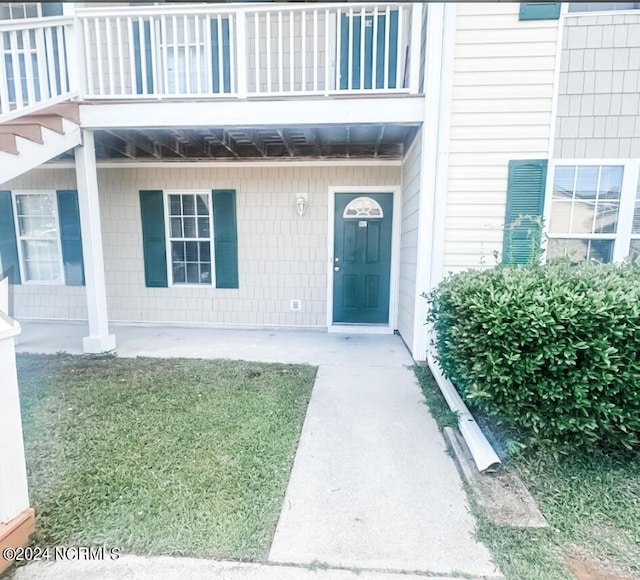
228	52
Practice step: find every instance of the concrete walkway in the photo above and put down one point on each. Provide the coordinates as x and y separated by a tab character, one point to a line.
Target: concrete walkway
372	486
167	568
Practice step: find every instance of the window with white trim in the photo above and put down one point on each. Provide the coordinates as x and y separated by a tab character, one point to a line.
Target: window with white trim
36	222
190	235
590	215
634	249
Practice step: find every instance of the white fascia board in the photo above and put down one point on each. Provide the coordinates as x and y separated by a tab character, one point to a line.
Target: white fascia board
226	164
253	113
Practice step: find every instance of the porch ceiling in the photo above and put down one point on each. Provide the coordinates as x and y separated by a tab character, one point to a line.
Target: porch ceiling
384	141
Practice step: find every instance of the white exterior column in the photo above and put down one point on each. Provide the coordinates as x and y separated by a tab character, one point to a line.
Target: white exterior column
99	339
438	80
429	151
14	495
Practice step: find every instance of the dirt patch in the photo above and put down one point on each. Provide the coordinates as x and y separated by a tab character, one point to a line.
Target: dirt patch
584	568
503	496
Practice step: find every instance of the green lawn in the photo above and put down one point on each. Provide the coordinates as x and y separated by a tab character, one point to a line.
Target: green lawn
591	502
169	456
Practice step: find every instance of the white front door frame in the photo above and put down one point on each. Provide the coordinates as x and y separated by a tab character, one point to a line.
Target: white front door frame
389	328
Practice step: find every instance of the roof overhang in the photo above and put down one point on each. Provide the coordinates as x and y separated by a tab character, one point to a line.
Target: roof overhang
371	141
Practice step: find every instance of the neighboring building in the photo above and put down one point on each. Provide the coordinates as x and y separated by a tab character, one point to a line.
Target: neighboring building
305	165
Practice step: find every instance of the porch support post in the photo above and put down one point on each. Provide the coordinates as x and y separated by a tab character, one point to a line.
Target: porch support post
17	521
99	339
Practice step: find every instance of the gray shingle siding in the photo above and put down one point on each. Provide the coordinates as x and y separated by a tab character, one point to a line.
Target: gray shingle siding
598	113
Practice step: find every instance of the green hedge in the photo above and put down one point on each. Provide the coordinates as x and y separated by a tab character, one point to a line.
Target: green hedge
553	350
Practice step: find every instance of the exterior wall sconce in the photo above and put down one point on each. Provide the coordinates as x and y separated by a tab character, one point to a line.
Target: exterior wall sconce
301	203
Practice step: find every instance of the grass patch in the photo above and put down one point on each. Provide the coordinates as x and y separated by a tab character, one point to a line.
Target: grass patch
590	500
438	407
160	456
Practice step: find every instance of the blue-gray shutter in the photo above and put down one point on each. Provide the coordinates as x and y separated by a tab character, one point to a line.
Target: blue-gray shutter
146	33
153	239
217	45
51	8
345	32
70	237
9	262
525	197
225	238
540	10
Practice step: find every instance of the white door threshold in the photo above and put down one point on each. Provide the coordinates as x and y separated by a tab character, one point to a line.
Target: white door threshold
347	328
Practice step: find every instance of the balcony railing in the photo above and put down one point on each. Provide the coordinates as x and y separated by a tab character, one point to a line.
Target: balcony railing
205	51
34	64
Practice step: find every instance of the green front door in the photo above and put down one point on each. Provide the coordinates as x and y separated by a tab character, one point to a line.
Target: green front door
362	258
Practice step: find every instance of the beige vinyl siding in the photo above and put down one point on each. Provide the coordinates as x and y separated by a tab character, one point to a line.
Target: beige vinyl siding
501	110
281	255
409	239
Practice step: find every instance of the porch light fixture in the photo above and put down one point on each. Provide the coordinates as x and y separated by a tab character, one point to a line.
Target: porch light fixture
301	203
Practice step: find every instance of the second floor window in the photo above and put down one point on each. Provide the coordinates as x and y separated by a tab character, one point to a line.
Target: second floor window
16	10
602	6
184	50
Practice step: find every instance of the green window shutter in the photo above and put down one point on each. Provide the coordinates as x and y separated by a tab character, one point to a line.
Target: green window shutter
525	197
153	239
70	237
225	238
540	11
9	262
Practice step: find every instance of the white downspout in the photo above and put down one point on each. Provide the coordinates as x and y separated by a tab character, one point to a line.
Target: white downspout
484	456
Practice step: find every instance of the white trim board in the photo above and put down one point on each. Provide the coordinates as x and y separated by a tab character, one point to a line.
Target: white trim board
396	191
438	73
556	80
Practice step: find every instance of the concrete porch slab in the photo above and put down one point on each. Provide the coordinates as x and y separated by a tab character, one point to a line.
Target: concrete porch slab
314	347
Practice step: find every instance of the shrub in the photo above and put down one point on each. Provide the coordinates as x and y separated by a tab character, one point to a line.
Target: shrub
553	349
